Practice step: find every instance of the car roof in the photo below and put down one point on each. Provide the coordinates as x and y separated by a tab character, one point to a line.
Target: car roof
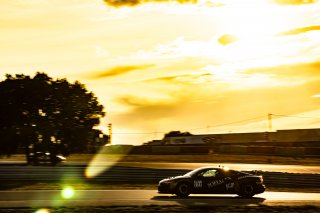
206	168
211	167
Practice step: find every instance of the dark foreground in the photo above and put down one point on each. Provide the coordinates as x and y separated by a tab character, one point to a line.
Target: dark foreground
273	185
175	208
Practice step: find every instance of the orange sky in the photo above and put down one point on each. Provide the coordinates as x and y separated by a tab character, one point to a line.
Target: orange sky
159	66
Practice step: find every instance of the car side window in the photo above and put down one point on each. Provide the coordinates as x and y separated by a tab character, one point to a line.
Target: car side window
209	173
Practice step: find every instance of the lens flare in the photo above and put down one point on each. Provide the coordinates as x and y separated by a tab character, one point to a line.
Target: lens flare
104	160
67	192
42	211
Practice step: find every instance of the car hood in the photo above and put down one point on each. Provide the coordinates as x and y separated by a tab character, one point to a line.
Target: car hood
176	178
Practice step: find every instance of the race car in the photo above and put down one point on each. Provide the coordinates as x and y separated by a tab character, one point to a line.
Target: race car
212	180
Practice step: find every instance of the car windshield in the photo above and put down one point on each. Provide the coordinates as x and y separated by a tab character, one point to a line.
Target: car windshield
224	173
193	172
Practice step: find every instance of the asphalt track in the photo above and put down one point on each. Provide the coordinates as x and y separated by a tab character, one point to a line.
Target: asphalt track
132	174
54	198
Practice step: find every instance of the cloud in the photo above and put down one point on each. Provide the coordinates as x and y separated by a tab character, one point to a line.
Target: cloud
166	79
209	3
183	78
120	3
184	110
182	47
142	103
119	70
294	2
300	30
183	106
145	112
303	71
227	39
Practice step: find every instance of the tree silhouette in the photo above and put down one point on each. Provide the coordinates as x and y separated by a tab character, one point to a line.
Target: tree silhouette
43	112
176	134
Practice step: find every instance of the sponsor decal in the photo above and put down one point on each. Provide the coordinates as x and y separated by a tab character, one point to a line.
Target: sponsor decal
197	184
229	186
215	183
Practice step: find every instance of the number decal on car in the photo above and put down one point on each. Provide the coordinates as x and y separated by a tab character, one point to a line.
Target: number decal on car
197	184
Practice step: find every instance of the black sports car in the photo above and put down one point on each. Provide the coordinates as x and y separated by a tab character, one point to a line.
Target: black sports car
211	180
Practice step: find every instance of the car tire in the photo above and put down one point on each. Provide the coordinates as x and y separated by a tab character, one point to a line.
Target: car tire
247	190
183	189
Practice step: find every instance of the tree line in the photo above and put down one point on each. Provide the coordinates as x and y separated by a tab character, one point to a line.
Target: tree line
43	112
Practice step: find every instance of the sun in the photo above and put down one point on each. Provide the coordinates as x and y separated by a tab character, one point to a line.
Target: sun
251	19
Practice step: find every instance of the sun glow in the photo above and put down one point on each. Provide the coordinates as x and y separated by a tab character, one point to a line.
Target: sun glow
251	40
237	79
253	19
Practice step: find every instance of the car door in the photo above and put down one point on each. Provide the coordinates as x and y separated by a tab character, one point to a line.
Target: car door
206	181
215	181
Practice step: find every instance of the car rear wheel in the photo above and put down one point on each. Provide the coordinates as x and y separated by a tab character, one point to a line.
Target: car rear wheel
247	190
183	190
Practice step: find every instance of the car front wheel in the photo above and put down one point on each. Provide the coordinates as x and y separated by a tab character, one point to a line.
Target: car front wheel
183	190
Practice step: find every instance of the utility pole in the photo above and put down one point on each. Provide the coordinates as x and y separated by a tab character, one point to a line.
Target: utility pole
110	133
269	122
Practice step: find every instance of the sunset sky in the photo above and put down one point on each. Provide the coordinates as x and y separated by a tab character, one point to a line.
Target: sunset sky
207	66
